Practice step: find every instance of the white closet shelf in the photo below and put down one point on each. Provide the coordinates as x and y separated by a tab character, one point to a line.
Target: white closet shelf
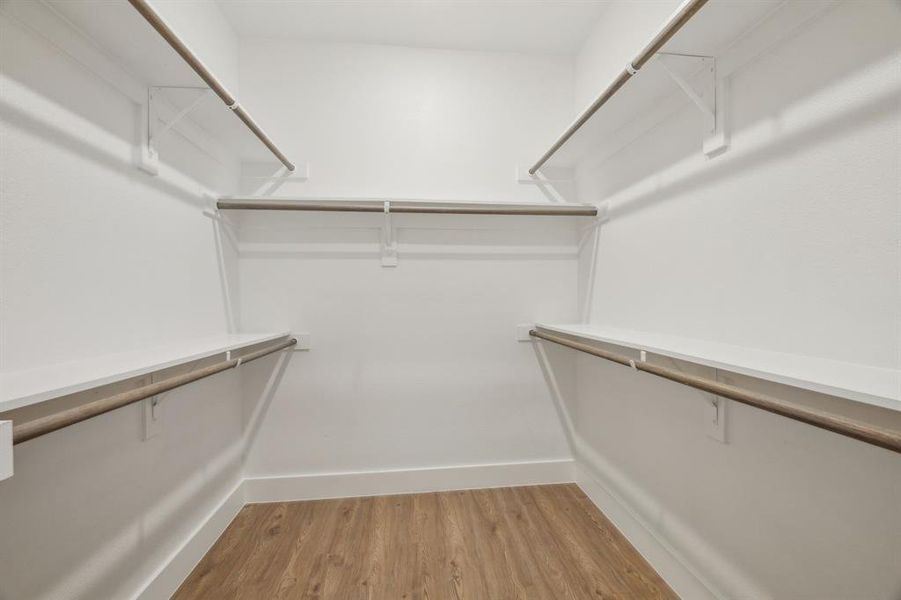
717	30
373	205
138	58
31	386
861	383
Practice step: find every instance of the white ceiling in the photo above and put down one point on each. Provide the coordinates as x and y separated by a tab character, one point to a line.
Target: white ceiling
534	26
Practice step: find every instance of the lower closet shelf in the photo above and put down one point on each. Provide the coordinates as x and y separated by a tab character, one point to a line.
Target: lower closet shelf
31	386
860	383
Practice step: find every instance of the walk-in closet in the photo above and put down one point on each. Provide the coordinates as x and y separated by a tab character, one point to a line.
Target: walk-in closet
450	299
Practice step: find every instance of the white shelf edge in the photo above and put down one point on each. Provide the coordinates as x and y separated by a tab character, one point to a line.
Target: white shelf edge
408	249
891	378
19	389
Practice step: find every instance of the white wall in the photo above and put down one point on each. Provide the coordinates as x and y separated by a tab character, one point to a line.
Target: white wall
414	366
788	242
798	222
404	122
99	257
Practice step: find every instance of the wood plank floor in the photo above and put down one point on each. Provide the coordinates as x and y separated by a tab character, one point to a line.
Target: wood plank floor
545	541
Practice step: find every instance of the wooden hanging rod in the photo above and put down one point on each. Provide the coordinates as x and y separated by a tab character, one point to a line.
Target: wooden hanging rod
890	440
37	427
411	206
686	11
157	22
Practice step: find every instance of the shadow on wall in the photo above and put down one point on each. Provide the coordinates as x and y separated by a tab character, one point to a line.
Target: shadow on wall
109	501
93	511
226	263
258	397
558	367
16	117
97	121
823	502
782	147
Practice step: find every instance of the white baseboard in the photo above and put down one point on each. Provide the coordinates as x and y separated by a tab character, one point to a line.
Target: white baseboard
406	481
166	580
682	558
679	578
588	471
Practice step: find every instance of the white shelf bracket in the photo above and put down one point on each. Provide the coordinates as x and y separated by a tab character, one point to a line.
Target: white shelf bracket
152	409
389	243
704	90
155	129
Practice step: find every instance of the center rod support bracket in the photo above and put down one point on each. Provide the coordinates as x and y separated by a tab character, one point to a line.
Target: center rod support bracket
151	412
388	241
705	91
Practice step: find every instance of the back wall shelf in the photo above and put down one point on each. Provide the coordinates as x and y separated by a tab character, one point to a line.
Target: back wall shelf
387	206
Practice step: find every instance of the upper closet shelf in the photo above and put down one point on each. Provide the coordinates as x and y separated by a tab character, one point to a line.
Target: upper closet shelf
176	83
682	55
861	383
370	205
31	386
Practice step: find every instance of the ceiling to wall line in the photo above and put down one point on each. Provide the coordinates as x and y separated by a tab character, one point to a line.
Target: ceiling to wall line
531	26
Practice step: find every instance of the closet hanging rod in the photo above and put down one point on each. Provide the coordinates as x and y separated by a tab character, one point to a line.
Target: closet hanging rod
44	425
685	12
864	432
379	206
157	22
